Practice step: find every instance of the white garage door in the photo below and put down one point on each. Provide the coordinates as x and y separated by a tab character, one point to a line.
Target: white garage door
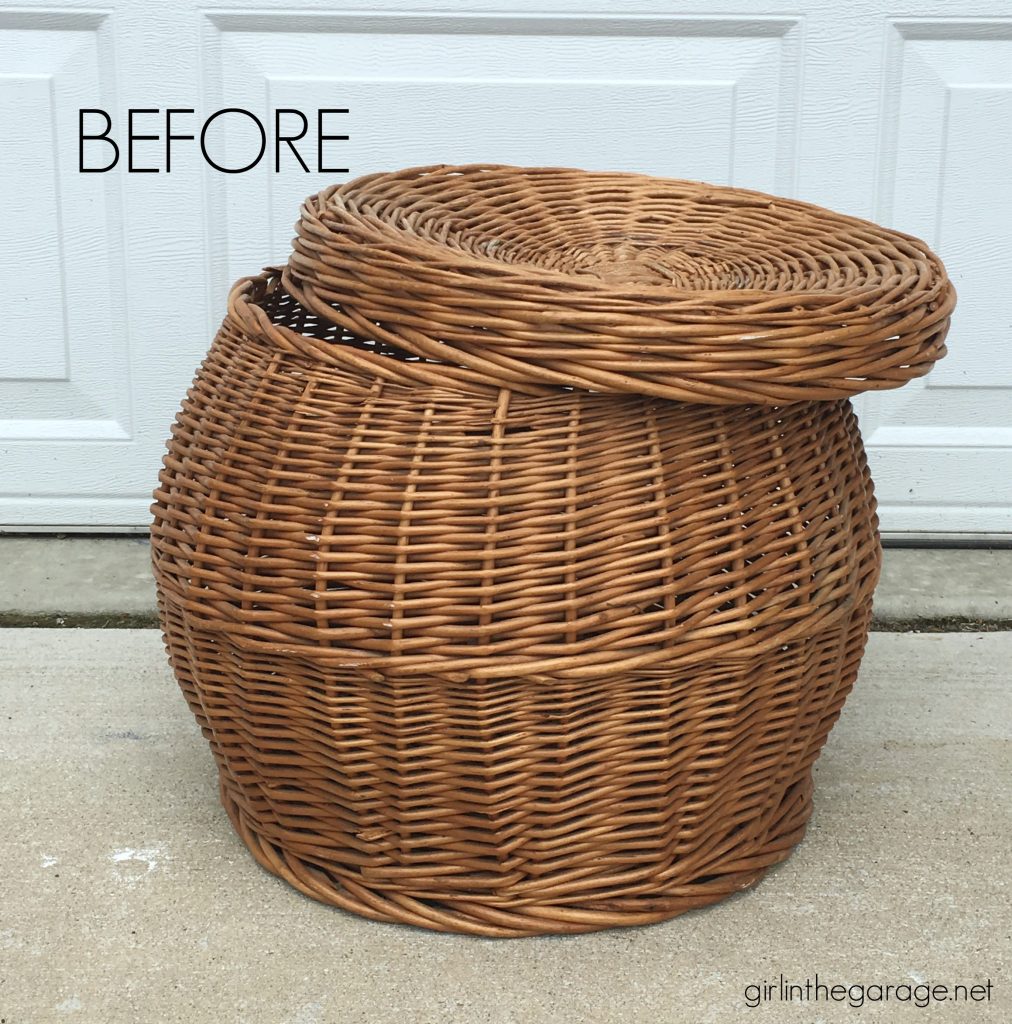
115	282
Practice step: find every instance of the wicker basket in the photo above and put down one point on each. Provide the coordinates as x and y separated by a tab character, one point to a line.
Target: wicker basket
515	545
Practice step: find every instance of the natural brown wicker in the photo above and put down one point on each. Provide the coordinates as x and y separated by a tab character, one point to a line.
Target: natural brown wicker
519	594
619	282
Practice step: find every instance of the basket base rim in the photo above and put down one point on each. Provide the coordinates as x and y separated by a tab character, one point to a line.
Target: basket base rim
466	917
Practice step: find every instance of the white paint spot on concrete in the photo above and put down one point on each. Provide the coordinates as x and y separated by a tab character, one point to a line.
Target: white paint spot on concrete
69	1005
149	855
916	977
131	865
308	1013
48	860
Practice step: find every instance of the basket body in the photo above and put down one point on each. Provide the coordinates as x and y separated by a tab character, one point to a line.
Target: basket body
505	661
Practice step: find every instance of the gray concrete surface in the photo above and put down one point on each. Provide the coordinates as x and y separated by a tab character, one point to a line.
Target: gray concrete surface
973	583
112	575
76	575
127	898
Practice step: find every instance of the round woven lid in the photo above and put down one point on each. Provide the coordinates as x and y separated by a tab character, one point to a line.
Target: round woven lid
539	277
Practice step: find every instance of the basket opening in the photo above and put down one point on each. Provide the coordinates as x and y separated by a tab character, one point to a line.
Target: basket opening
286	311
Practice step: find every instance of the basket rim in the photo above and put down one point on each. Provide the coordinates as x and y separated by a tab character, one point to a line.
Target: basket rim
246	311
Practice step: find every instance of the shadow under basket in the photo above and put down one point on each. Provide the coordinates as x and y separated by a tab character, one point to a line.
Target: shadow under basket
502	656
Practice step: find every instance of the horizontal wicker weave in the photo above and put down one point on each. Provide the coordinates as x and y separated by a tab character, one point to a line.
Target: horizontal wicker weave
510	652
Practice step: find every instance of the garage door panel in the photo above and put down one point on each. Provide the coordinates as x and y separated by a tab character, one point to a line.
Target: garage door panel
64	369
937	444
116	282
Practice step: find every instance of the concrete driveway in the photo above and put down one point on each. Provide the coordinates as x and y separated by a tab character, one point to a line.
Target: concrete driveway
127	898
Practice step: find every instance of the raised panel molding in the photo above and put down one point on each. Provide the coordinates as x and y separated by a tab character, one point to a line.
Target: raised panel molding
64	366
948	99
944	155
30	227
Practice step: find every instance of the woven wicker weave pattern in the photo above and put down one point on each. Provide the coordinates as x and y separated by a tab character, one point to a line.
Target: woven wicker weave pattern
469	533
506	808
619	282
503	663
515	544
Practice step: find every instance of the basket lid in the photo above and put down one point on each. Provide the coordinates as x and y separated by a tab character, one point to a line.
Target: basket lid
623	282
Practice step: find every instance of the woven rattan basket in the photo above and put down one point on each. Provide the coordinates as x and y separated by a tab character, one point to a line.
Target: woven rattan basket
515	544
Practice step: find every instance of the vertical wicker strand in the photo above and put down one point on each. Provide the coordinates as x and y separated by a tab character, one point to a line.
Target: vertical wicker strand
402	556
492	515
259	532
492	809
560	720
572	501
402	793
670	751
737	566
663	513
335	500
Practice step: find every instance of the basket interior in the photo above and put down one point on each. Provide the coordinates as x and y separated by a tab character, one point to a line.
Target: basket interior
286	311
